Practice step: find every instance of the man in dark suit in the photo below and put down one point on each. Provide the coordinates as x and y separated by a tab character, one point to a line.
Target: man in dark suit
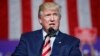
61	44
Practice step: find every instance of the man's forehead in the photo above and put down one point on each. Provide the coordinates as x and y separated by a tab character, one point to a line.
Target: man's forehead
50	10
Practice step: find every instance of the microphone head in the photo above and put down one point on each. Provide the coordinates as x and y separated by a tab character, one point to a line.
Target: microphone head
51	32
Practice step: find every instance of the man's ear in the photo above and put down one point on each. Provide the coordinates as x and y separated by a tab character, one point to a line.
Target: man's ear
40	21
60	17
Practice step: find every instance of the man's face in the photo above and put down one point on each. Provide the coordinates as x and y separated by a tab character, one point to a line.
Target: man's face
50	18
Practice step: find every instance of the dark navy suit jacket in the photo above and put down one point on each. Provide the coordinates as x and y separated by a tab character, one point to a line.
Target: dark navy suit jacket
31	45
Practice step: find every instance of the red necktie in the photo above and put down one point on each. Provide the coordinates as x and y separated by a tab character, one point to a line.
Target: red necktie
46	47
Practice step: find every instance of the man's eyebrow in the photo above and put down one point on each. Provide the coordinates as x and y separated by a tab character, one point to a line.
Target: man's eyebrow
47	14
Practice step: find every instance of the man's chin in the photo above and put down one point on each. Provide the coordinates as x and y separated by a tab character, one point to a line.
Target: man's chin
55	28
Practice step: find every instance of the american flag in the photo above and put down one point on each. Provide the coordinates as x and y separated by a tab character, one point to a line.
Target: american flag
18	16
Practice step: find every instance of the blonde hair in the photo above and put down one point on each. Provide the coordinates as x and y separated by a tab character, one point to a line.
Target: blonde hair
49	5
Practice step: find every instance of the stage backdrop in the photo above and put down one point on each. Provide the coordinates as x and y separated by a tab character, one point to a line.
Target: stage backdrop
19	16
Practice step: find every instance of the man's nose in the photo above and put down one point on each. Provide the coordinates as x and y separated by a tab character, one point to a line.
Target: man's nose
52	18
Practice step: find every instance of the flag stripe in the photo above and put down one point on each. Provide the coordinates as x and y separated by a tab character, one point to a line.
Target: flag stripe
95	13
84	17
14	19
72	15
19	16
3	19
26	15
48	0
35	23
64	17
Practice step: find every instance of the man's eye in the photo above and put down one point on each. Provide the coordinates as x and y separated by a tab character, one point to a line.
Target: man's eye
47	15
55	14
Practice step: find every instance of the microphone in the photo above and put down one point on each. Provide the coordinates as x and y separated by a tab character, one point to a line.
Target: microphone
51	32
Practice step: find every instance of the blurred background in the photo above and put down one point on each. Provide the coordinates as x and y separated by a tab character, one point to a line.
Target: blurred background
80	18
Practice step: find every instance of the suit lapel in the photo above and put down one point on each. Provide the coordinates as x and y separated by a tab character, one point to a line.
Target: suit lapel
57	44
40	41
60	44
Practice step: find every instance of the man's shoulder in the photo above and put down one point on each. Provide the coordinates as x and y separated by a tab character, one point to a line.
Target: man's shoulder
31	34
72	37
69	38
